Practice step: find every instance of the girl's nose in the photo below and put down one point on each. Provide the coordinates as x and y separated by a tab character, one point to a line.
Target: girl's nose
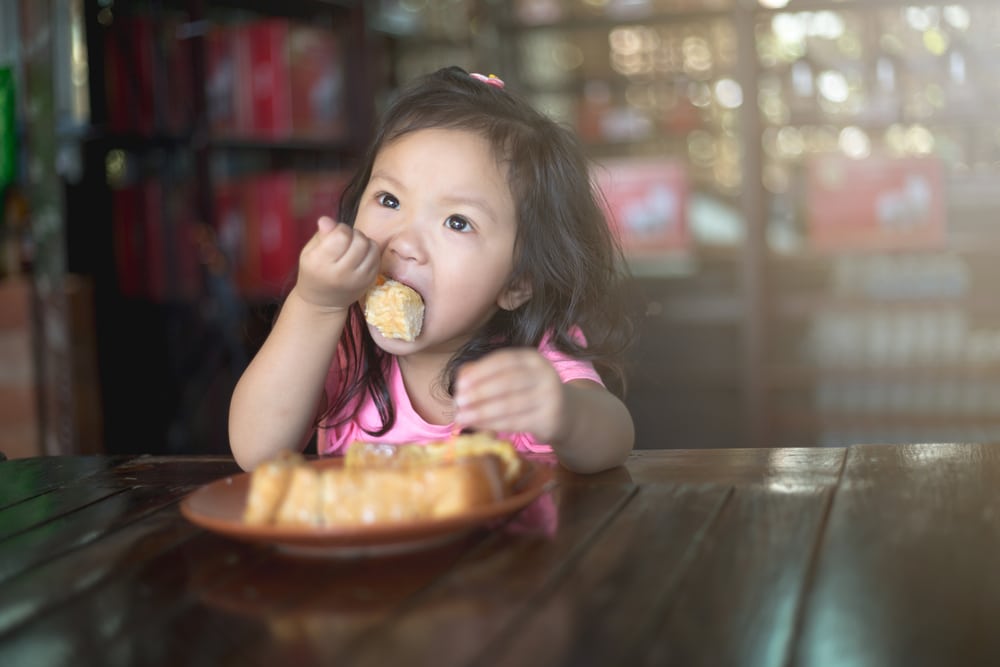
406	242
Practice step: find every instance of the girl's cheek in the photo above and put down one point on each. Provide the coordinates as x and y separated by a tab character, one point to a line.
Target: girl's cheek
375	221
364	224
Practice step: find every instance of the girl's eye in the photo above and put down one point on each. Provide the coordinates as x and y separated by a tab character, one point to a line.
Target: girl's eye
387	200
458	223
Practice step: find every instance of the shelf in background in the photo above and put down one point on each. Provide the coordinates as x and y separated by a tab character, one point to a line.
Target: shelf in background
801	377
677	380
287	8
814	420
883	122
605	22
132	141
795	6
290	144
807	305
705	309
639	18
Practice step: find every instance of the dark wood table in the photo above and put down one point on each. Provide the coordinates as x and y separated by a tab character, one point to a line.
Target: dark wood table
871	555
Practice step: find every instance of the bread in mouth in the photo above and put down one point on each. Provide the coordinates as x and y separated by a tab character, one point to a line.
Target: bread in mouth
395	309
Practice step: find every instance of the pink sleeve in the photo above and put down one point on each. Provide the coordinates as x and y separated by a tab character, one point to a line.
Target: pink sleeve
568	367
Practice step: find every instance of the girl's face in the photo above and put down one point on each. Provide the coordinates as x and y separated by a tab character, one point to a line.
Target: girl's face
439	207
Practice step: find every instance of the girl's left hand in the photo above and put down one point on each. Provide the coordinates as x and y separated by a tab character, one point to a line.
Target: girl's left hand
514	390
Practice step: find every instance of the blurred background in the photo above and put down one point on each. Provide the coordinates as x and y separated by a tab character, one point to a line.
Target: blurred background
807	190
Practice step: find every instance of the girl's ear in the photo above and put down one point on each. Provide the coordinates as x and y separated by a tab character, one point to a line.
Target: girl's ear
515	296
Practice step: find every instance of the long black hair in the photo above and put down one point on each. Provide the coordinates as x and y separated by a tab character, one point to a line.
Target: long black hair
564	249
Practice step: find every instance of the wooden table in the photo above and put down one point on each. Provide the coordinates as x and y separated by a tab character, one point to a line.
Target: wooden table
872	555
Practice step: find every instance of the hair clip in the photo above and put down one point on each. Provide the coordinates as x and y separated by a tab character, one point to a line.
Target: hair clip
491	80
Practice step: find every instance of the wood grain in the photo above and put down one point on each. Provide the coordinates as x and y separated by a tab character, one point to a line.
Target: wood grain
873	555
905	575
480	600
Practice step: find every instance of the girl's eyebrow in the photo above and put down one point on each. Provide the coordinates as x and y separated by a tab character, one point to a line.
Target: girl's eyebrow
452	200
385	177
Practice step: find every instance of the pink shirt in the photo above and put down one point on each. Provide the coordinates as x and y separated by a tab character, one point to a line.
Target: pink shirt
411	427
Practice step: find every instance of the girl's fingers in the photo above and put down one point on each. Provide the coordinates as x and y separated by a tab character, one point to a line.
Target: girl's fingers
472	391
510	390
354	254
499	375
341	244
499	408
322	230
501	405
332	243
325	224
494	365
535	416
363	257
372	259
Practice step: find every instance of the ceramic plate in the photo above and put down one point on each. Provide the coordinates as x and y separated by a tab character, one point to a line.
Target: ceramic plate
219	506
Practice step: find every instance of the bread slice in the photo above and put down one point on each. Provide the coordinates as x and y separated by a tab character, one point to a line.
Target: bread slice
268	485
383	484
395	309
372	455
386	495
301	506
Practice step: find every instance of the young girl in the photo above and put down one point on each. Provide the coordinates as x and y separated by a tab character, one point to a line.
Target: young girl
484	207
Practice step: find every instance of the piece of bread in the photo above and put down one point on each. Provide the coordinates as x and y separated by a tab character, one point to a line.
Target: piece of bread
384	483
395	309
302	504
268	485
380	495
372	455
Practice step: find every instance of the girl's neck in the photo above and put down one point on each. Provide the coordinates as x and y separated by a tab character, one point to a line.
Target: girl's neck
421	375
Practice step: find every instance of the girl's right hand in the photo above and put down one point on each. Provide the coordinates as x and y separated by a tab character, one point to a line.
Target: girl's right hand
336	266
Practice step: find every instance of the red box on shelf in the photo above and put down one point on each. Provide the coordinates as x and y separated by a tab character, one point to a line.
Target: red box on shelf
227	115
175	90
154	246
182	262
317	83
139	246
156	255
129	74
277	231
231	227
263	222
274	79
878	203
265	75
149	76
129	240
647	204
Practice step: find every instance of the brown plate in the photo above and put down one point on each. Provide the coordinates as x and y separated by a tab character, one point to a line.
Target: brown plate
218	507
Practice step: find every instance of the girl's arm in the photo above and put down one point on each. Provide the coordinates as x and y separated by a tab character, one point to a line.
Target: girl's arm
599	433
518	390
276	401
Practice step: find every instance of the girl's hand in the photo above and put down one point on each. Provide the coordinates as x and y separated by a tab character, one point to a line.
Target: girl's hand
336	266
512	390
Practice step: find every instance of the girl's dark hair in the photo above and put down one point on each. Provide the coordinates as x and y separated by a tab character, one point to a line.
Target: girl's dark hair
564	248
